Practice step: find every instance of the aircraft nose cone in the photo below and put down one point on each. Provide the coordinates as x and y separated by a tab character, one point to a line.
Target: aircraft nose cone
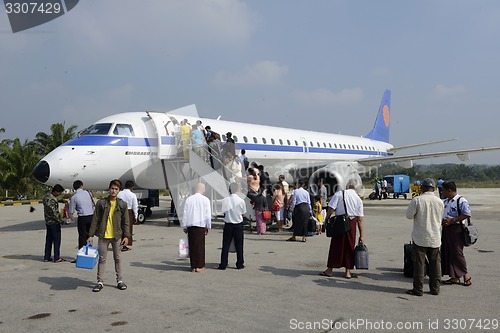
41	172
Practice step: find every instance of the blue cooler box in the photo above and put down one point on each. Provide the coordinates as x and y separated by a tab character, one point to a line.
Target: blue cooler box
87	257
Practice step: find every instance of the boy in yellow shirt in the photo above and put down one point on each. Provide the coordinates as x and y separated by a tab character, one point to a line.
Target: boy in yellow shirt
111	224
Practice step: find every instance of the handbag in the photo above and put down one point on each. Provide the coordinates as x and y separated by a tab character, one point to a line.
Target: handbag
339	224
266	215
469	230
275	207
361	256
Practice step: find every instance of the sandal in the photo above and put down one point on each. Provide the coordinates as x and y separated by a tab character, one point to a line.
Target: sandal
98	287
325	274
60	260
121	285
451	281
291	239
467	282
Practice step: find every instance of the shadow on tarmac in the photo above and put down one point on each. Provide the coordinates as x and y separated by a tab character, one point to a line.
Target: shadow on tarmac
27	226
181	265
356	285
65	283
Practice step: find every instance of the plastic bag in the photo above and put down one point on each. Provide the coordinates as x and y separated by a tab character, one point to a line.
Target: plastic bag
183	248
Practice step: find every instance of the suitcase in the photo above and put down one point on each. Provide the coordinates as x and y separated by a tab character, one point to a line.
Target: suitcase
408	261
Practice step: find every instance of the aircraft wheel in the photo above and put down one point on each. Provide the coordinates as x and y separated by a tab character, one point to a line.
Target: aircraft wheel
141	217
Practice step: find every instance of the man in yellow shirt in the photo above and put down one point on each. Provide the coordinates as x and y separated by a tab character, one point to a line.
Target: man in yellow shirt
186	138
111	224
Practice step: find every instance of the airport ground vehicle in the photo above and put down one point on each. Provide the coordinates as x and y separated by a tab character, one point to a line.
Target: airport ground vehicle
398	185
146	199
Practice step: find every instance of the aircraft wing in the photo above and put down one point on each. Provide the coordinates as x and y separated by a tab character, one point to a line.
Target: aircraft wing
461	154
395	149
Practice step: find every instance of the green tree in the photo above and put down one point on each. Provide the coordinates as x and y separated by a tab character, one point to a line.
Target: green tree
17	161
45	143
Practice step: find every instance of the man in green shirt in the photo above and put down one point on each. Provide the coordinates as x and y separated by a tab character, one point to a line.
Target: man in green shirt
53	223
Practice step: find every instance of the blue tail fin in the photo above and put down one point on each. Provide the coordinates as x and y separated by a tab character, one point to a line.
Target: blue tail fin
380	131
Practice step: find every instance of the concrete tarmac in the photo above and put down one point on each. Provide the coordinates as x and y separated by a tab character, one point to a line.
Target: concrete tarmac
279	290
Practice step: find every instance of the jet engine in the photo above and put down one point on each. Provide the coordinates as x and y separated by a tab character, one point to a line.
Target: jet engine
335	177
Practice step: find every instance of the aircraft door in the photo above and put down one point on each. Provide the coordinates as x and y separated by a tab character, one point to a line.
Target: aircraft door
172	128
165	134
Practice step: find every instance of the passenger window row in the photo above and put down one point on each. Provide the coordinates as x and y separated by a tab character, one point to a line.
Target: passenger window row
127	130
304	143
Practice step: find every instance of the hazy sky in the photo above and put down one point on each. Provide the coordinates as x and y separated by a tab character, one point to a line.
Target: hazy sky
317	65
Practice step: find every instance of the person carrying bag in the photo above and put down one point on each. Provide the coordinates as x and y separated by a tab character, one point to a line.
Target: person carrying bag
469	230
349	214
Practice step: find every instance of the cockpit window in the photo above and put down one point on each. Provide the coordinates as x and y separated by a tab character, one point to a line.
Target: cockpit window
123	130
97	129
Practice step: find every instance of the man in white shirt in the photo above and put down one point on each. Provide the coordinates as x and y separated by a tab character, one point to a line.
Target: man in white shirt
233	207
133	208
196	221
456	211
341	252
426	211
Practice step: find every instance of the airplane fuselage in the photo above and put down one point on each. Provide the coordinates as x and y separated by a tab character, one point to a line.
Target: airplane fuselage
131	146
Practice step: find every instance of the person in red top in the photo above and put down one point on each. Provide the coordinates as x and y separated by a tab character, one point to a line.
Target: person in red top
279	203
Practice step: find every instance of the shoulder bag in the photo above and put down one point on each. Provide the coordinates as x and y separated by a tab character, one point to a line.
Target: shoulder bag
339	225
469	231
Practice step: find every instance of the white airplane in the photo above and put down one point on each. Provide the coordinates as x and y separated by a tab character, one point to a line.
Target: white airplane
139	145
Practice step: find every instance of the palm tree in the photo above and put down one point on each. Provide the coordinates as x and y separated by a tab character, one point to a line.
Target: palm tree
45	143
17	161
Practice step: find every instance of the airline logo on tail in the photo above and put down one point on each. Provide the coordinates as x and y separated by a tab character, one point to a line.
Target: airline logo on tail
387	116
380	131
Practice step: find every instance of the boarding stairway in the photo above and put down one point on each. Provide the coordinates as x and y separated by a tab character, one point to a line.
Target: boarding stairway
183	176
183	169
